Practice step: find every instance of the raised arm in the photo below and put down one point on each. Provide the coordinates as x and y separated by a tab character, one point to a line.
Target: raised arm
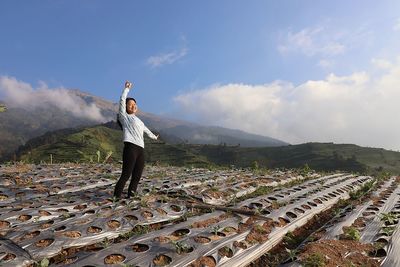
122	101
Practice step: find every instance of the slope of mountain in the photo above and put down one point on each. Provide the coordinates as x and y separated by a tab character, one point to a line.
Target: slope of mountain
18	125
214	135
81	145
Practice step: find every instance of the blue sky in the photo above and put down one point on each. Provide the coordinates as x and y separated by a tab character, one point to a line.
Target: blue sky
176	50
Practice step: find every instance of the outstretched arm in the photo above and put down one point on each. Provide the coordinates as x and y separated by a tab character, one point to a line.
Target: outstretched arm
149	133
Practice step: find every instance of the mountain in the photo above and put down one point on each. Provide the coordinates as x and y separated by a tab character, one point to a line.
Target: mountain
18	124
82	144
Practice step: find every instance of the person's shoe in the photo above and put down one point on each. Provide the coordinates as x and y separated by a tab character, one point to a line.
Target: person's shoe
132	195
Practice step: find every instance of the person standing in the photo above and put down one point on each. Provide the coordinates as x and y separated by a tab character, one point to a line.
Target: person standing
133	154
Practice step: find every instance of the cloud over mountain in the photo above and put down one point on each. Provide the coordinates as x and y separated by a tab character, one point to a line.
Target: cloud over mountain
21	94
358	108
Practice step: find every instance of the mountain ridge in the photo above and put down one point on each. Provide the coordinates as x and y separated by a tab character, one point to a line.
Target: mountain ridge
20	124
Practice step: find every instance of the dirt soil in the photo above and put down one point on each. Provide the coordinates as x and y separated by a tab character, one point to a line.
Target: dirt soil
44	213
204	262
30	235
94	230
341	253
8	257
147	214
242	227
44	243
162	260
208	222
240	244
359	223
114	259
113	224
4	224
259	233
202	239
162	239
72	234
24	217
225	252
46	225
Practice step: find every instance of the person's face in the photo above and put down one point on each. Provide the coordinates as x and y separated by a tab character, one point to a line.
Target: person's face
131	107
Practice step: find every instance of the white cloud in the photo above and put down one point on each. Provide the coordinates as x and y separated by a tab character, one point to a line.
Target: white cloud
359	108
166	58
21	94
381	63
396	27
324	63
312	41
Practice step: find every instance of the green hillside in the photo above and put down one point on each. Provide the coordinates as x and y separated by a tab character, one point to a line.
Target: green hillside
81	145
319	156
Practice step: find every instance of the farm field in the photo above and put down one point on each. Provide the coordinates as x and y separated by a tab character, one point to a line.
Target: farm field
64	215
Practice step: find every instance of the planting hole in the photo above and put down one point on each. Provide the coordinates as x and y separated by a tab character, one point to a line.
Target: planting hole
44	213
225	252
80	207
24	217
60	228
44	243
131	218
175	208
4	224
114	259
139	247
162	260
113	224
46	224
72	234
202	239
94	230
146	214
8	257
30	235
240	244
181	232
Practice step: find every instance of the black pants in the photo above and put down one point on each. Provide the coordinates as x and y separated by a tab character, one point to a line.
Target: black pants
132	165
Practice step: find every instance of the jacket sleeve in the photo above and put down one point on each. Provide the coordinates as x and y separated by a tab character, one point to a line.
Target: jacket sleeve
149	133
122	104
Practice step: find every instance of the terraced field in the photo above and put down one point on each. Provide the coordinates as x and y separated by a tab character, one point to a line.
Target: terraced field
60	215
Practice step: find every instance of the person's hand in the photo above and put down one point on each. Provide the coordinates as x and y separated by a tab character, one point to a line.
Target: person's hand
128	84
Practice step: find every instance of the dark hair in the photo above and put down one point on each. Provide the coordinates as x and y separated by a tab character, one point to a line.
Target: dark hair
126	102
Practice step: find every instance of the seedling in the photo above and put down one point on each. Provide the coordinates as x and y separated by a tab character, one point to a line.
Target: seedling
215	229
44	262
351	233
289	238
141	229
259	229
181	247
314	260
388	218
144	202
292	253
105	243
388	230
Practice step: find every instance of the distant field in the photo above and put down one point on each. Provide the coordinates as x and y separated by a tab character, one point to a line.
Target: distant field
82	145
